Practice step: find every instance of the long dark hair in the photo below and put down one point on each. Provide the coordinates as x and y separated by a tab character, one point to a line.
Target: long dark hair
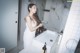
35	15
36	18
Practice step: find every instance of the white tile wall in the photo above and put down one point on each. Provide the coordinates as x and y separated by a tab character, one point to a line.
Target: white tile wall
71	34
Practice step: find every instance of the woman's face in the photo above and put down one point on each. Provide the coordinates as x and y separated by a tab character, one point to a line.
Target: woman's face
33	9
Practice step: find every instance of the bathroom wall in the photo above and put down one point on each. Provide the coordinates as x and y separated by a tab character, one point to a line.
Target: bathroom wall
65	14
23	13
1	24
40	5
55	19
0	17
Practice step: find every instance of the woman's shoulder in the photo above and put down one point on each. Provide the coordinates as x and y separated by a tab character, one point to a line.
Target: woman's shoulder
26	18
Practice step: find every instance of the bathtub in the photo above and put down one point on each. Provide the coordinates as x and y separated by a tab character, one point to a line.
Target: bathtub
48	36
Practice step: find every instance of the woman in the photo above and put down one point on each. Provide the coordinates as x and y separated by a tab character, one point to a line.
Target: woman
32	24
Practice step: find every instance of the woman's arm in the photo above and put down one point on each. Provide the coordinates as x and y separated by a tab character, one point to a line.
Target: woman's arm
30	25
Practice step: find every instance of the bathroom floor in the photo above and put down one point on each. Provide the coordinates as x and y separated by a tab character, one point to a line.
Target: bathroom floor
16	49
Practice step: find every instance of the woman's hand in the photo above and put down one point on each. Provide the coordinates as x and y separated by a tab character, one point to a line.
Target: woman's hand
40	25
